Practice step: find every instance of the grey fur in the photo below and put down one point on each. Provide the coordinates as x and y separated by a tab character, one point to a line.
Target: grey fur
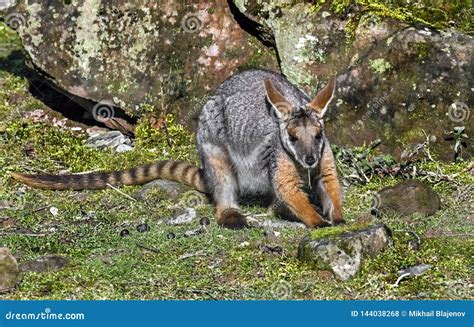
238	123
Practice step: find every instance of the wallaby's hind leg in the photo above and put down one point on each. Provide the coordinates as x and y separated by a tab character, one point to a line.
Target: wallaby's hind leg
222	182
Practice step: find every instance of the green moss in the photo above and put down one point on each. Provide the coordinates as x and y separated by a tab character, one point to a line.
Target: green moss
380	65
337	230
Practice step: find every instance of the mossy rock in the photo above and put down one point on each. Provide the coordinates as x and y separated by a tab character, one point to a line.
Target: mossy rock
344	253
401	75
9	271
140	56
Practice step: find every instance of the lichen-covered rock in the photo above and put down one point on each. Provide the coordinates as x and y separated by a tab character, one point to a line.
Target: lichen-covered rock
406	198
138	55
9	271
345	253
398	77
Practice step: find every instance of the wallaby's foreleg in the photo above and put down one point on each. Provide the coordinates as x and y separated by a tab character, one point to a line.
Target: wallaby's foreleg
329	188
222	183
287	185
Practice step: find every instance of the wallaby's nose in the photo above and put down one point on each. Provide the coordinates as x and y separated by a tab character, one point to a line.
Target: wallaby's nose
310	160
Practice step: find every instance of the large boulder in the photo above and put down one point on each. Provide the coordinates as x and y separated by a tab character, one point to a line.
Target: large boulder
398	76
140	55
402	72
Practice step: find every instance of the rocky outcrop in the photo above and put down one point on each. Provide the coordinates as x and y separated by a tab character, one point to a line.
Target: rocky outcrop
344	253
402	71
141	56
398	76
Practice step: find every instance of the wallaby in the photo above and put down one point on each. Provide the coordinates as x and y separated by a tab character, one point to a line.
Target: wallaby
258	136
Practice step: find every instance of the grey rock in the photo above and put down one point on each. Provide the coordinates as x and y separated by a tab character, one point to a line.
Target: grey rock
123	148
344	253
416	270
45	263
406	198
188	216
9	271
194	232
5	4
412	271
111	140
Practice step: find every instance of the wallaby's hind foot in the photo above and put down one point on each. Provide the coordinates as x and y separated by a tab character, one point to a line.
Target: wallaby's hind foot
232	218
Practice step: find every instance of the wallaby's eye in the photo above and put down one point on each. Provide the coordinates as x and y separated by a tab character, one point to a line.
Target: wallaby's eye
292	138
318	137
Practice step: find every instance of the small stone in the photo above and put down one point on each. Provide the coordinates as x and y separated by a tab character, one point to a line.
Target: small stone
414	245
124	232
54	211
204	221
244	244
45	263
271	249
407	198
184	218
142	228
108	140
171	235
194	232
416	270
9	271
123	148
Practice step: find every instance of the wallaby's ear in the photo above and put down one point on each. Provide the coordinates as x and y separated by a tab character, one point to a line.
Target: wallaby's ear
281	105
321	101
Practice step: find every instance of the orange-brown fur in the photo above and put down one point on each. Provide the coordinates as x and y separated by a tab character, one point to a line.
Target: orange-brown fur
330	182
289	190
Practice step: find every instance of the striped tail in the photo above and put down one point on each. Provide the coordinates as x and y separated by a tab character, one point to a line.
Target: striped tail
178	171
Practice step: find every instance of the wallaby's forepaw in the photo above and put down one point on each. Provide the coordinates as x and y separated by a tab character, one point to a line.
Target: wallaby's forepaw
233	219
338	221
323	223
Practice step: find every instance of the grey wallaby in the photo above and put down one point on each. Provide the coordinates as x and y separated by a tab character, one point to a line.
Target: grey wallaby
258	136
